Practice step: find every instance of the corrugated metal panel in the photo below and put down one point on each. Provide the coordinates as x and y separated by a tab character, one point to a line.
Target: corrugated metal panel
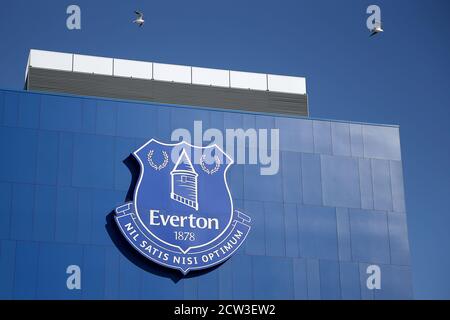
166	92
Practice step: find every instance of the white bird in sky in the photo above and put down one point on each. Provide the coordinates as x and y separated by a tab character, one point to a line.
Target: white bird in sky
139	19
377	29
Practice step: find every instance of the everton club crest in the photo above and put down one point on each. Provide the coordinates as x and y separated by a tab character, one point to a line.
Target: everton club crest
182	216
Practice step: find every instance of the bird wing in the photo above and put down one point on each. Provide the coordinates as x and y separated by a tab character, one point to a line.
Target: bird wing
139	14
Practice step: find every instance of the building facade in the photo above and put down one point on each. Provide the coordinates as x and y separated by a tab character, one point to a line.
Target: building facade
334	208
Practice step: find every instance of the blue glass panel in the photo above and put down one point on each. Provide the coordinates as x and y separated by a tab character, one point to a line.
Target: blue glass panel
330	288
269	186
322	137
29	107
274	222
122	175
104	202
5	211
382	194
340	137
396	283
112	273
300	279
232	120
350	288
44	213
106	117
226	281
292	177
137	120
317	230
7	258
235	178
160	288
381	142
242	277
26	267
366	184
190	288
291	229
20	146
313	273
278	276
254	244
185	118
343	232
93	266
65	159
10	109
356	140
295	134
85	213
369	234
47	158
89	115
93	165
129	279
311	179
398	236
208	285
340	182
22	212
61	113
2	104
398	196
52	277
66	214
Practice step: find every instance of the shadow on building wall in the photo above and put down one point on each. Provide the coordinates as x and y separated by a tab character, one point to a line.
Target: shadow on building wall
128	251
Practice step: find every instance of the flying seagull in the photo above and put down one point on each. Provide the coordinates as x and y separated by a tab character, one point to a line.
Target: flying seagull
139	19
377	29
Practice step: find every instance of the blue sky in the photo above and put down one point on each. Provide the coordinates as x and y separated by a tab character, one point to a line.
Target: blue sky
399	77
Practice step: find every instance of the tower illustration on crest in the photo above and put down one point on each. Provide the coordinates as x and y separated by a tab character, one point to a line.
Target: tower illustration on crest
184	182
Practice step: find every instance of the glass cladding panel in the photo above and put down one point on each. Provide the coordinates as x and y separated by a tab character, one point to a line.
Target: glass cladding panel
340	137
226	280
300	279
313	273
242	277
262	187
29	109
7	266
53	262
85	215
396	283
349	275
343	232
278	276
381	142
135	120
274	223
295	134
5	216
44	213
65	158
93	265
398	195
340	182
22	212
2	106
292	176
10	109
66	214
47	157
329	280
398	237
190	286
255	242
366	183
26	267
208	285
112	273
356	140
369	234
291	229
382	194
322	137
366	293
130	278
61	113
106	118
317	232
311	179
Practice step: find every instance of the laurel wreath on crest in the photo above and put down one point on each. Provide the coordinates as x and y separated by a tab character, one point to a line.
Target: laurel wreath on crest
155	166
213	170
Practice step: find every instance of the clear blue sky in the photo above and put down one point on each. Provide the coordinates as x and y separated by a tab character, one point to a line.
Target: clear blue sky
399	77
